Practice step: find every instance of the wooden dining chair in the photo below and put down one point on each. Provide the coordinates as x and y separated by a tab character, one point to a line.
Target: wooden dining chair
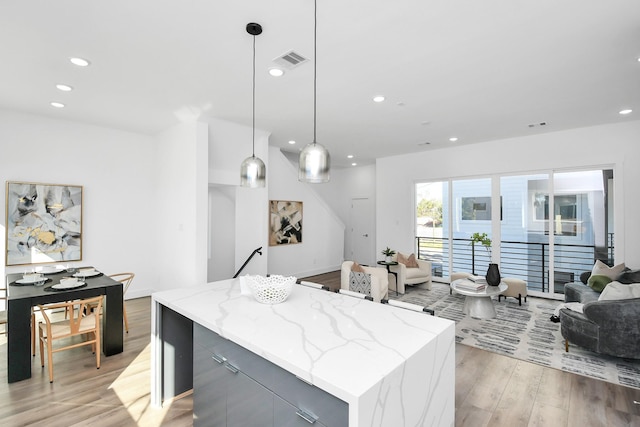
125	279
80	322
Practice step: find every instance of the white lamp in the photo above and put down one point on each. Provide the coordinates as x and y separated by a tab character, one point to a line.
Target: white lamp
252	171
315	162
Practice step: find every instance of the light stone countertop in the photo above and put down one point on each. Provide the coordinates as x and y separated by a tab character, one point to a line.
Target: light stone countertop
347	346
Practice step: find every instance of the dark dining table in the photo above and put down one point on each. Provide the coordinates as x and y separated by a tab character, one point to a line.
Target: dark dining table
21	298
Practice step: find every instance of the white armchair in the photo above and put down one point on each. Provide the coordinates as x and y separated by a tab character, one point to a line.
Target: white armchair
412	276
379	280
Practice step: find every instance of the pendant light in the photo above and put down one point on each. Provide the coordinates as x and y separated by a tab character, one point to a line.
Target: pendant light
252	171
314	162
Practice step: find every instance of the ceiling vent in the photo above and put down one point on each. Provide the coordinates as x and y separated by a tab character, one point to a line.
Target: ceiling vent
290	60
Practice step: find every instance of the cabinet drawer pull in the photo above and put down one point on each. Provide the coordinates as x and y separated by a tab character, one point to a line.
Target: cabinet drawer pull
310	418
232	368
218	358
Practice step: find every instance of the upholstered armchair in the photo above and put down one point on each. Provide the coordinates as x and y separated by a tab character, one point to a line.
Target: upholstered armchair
379	280
420	275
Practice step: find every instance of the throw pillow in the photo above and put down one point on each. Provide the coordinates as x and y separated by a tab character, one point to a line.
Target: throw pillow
402	259
602	269
357	267
597	282
360	282
616	291
584	277
408	261
629	276
411	262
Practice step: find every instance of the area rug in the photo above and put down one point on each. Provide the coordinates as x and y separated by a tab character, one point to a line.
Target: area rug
523	332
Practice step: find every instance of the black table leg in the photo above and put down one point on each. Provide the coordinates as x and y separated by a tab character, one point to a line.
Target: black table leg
112	335
19	339
395	274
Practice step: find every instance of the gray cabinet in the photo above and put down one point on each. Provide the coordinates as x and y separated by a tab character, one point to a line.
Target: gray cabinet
234	387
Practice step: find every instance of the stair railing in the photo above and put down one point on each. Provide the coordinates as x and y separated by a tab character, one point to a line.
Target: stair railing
256	251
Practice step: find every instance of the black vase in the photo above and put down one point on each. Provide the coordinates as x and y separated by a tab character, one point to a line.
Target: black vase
493	275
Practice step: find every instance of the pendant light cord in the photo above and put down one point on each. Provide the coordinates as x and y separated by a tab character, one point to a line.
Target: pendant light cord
315	66
253	112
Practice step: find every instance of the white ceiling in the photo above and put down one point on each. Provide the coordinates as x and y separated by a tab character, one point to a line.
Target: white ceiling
477	70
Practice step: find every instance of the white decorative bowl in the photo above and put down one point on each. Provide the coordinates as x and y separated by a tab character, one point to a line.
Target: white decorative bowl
272	289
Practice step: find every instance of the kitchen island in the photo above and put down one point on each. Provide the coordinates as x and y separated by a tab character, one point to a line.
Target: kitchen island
335	360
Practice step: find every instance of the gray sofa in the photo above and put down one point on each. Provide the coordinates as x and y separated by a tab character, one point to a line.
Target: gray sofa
606	327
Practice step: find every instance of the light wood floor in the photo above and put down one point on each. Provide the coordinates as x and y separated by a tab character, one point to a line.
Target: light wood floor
491	390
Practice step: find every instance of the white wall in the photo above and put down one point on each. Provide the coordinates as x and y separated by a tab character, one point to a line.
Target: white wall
322	244
180	207
222	232
347	184
615	145
116	170
251	210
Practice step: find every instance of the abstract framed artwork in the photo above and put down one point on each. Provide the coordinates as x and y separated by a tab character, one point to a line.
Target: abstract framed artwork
43	223
285	222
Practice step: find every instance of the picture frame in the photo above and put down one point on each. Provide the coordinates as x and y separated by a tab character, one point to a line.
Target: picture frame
285	222
43	223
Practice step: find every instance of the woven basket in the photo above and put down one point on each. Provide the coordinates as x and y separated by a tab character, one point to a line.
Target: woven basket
272	289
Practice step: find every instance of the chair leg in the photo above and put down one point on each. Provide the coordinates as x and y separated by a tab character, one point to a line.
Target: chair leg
50	360
519	299
124	315
98	351
41	348
566	346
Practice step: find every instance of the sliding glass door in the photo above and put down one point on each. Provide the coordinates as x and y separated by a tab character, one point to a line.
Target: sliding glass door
524	229
552	225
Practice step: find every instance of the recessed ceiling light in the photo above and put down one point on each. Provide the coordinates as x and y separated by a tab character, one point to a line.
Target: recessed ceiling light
276	72
453	139
350	156
57	104
425	123
292	142
64	88
354	164
80	62
625	112
378	98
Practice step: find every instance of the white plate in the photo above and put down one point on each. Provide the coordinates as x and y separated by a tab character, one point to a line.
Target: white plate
52	270
68	286
29	281
81	274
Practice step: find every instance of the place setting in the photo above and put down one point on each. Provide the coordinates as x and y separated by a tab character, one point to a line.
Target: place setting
31	279
88	272
52	269
67	283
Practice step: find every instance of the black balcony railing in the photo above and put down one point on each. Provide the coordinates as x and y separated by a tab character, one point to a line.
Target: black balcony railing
525	260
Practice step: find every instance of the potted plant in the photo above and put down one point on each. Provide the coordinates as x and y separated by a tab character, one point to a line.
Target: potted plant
493	273
483	239
388	253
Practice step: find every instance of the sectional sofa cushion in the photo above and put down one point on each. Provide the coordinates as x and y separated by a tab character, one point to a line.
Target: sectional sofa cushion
617	291
629	276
